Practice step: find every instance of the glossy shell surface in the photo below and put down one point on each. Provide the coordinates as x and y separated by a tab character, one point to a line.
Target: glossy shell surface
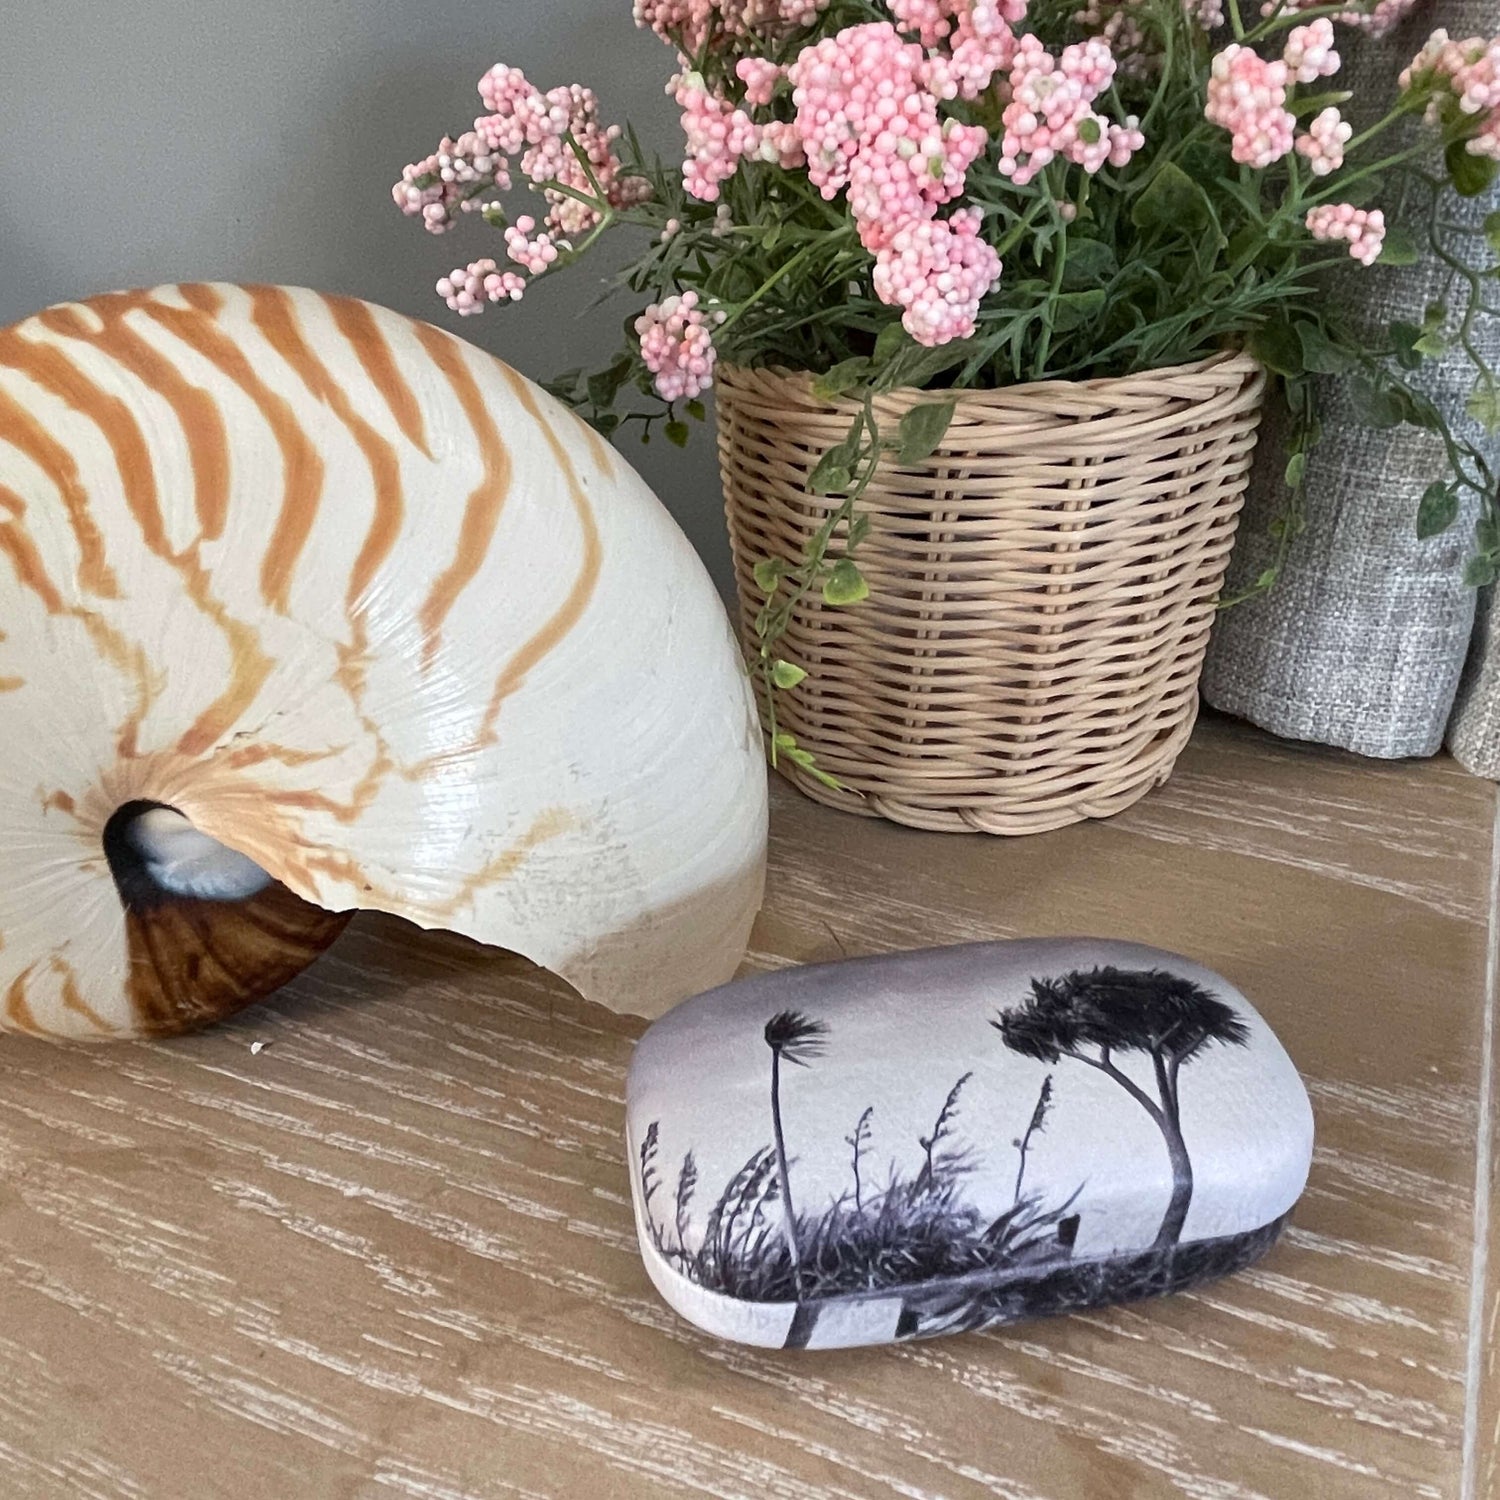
367	607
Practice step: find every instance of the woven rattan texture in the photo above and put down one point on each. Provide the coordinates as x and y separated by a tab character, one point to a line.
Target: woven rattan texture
1041	588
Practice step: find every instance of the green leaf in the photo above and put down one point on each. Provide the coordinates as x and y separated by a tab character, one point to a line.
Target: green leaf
1484	405
771	236
889	343
1172	201
1432	344
1296	468
916	364
1089	262
835	470
1480	571
1398	249
1069	309
787	674
697	411
785	741
830	477
1320	354
1278	348
1404	340
1437	511
1243	243
818	774
604	385
859	529
1470	174
842	377
845	584
1487	534
1492	230
1315	104
922	429
799	757
1377	406
564	386
677	433
768	573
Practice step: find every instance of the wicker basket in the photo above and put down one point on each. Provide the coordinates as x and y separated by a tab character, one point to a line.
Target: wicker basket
1041	588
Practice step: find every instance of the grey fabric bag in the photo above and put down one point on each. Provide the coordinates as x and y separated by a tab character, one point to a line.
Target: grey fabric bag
1363	639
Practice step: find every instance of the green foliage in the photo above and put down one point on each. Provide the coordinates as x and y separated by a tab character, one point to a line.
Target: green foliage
1399	249
922	429
1471	175
1176	256
1484	405
1438	509
768	572
845	584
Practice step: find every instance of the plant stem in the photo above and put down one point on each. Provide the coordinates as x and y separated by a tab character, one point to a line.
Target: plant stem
1044	342
765	287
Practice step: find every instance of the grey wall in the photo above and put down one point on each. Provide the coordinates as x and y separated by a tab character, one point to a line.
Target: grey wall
144	141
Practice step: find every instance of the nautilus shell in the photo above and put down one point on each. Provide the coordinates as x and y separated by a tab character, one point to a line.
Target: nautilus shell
307	608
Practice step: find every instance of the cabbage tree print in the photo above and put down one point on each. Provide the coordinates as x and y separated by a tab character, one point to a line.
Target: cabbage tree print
1093	1015
795	1039
925	1245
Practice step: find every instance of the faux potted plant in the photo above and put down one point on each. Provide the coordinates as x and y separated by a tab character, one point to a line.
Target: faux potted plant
990	290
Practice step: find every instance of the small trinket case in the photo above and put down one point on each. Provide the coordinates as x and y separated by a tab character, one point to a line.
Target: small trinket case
929	1142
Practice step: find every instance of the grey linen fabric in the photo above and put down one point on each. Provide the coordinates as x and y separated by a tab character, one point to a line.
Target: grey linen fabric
1474	729
1362	641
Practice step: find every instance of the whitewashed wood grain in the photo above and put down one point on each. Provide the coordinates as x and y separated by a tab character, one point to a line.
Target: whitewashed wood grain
391	1253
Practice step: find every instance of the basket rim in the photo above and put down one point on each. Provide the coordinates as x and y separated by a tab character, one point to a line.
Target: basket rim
1233	362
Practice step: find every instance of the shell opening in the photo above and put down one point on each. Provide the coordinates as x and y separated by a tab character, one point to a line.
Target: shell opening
155	853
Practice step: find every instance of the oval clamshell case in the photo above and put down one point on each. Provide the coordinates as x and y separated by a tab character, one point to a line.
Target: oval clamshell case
923	1143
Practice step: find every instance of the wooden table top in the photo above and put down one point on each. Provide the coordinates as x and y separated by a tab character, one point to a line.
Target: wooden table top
392	1254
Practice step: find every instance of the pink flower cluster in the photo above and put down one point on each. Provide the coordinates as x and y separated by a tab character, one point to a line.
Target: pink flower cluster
1363	229
689	25
1309	52
760	77
1465	75
459	177
1324	140
469	287
1377	20
533	251
718	136
549	133
937	271
868	123
1247	96
1049	114
975	36
677	345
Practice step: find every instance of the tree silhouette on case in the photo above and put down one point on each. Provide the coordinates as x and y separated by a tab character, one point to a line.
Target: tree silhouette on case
1093	1014
791	1036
